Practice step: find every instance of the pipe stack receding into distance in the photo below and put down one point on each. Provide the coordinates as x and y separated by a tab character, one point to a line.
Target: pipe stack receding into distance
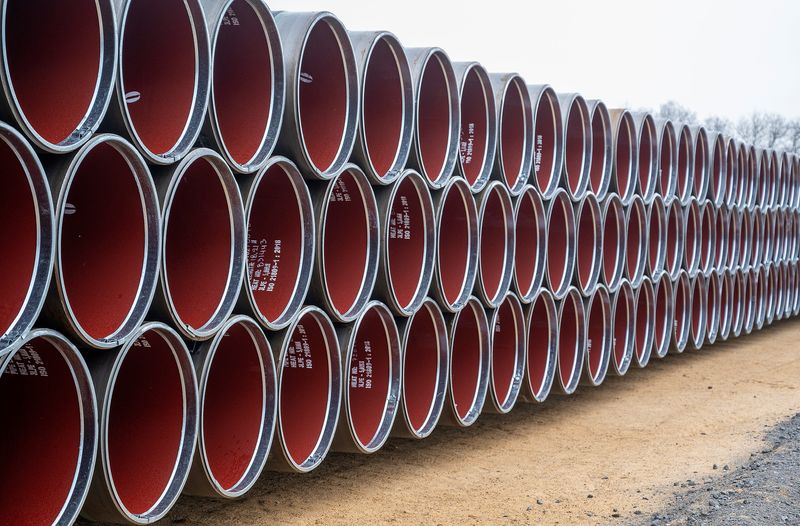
235	240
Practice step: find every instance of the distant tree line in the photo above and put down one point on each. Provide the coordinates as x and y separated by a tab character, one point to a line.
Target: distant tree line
764	130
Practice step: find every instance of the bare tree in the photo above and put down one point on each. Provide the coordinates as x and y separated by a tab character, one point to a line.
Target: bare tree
676	112
775	129
793	136
719	124
752	129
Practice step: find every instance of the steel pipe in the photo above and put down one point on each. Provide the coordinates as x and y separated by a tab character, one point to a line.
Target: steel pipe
425	371
478	134
385	122
636	241
700	165
626	155
496	244
710	232
108	242
774	173
684	173
599	336
514	158
667	168
745	241
148	383
548	135
731	172
27	235
771	293
541	325
697	334
757	243
657	234
577	129
508	343
761	279
309	368
784	180
733	248
682	312
437	119
237	390
408	243
674	245
202	215
348	244
749	303
718	168
320	120
623	324
726	304
754	182
602	143
60	61
248	90
372	372
572	339
693	236
561	244
713	292
589	244
745	178
48	446
645	322
648	161
764	180
664	313
720	239
614	235
530	246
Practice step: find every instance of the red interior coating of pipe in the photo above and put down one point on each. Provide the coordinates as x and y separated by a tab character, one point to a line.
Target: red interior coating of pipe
493	243
147	395
275	242
683	162
598	160
158	63
545	142
643	307
730	165
763	177
700	160
505	343
233	406
665	161
433	118
724	305
622	320
721	234
586	242
53	60
646	148
304	389
421	367
382	113
406	243
102	241
697	305
527	243
706	235
41	437
661	330
474	124
716	169
634	240
538	344
242	81
454	244
624	154
322	95
596	330
369	376
465	362
712	303
575	141
19	234
198	252
673	226
612	235
655	235
680	305
512	133
692	233
346	248
557	243
567	340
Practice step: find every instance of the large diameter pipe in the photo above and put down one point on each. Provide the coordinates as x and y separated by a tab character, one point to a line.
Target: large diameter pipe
717	168
457	244
425	371
279	218
675	241
657	234
774	180
437	120
60	62
371	372
561	244
745	240
203	244
771	297
496	244
623	307
599	336
470	363
478	134
148	383
625	155
309	369
348	244
514	157
667	167
108	242
697	333
530	249
541	325
663	320
692	235
408	243
164	77
589	244
708	235
648	162
548	136
761	285
684	173
508	342
602	143
784	180
636	243
726	305
731	172
48	446
571	341
682	312
713	292
237	390
322	96
739	299
614	235
645	322
700	164
385	122
763	180
248	90
750	294
27	235
734	249
577	129
745	178
754	182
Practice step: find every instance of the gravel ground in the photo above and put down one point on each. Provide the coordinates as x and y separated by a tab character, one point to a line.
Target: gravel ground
764	491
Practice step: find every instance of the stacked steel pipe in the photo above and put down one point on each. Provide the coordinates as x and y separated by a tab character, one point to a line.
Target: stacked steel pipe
235	240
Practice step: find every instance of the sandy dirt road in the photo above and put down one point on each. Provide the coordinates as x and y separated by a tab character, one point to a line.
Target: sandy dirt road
596	458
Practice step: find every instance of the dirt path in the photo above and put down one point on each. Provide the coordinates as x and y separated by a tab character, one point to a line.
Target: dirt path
609	455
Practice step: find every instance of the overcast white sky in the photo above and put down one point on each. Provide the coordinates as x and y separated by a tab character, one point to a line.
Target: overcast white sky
716	57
